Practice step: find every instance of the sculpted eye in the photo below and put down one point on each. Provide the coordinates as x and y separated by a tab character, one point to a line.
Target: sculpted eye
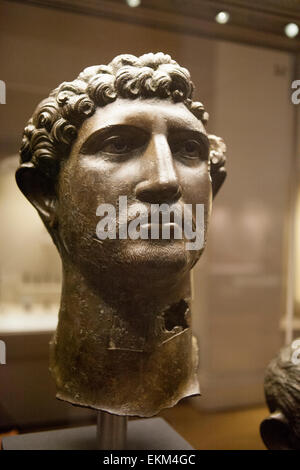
115	140
190	149
117	145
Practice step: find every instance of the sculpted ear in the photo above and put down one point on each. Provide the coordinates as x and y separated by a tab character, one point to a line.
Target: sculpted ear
217	160
39	190
275	432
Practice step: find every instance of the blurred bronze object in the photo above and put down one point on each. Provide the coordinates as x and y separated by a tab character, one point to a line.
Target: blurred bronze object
281	430
123	342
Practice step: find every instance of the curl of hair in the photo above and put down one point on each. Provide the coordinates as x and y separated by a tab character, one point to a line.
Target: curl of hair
282	387
50	133
101	89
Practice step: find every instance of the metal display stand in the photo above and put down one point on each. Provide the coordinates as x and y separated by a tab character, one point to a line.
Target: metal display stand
111	431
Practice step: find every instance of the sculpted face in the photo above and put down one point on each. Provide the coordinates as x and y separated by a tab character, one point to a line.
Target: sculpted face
152	151
129	129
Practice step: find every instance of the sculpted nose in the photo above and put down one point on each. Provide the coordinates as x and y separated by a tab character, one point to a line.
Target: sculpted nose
161	183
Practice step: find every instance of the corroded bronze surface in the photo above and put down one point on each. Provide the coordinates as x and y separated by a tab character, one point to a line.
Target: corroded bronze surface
124	342
281	430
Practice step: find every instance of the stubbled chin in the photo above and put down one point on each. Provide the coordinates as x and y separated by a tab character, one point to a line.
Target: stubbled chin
161	255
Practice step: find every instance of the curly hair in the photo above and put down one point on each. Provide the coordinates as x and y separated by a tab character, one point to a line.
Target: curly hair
282	387
51	131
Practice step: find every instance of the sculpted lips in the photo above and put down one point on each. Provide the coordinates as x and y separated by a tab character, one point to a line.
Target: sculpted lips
144	221
155	214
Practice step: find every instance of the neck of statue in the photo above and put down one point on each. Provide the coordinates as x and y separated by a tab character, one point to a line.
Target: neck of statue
137	333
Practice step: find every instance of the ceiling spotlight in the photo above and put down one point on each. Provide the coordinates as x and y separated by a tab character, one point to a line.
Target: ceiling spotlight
133	3
291	30
222	17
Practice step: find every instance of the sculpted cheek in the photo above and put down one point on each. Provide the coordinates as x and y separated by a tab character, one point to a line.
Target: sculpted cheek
196	186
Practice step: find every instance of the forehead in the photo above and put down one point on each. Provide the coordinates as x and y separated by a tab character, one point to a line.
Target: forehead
152	115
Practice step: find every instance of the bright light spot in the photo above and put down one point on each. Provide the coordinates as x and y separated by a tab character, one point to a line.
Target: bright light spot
291	30
295	344
222	17
133	3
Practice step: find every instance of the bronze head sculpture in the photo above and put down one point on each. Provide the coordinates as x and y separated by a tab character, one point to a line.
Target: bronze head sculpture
281	430
123	342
